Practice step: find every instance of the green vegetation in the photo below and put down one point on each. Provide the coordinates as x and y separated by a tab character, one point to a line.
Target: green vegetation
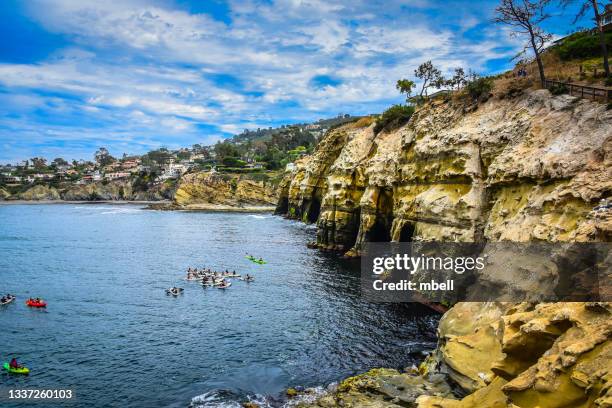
394	117
479	88
582	45
558	89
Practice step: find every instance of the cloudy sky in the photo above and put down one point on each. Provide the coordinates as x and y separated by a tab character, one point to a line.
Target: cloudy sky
134	75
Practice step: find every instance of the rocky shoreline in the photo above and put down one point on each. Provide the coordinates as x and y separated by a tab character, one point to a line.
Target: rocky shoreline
113	202
523	167
172	206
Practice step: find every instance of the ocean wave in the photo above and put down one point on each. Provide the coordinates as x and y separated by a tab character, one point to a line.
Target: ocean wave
227	399
259	217
121	211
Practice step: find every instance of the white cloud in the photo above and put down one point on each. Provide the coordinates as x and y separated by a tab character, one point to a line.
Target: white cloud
147	68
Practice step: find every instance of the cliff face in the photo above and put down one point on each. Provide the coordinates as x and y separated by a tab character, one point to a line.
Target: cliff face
223	189
518	169
111	191
534	167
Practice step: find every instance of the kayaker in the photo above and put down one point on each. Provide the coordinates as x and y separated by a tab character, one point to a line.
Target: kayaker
260	259
14	363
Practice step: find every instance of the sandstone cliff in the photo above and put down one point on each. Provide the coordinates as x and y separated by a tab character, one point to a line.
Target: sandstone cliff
516	169
532	167
223	189
98	191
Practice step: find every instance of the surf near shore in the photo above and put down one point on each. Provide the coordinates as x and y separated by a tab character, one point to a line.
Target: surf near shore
171	206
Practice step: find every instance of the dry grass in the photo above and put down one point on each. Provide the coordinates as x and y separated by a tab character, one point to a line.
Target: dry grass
364	122
570	71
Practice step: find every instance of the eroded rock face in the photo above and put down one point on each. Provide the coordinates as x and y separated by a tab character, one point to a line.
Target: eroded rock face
225	189
531	168
106	191
38	193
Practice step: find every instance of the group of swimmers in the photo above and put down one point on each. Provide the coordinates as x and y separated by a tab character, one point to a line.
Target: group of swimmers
195	274
209	277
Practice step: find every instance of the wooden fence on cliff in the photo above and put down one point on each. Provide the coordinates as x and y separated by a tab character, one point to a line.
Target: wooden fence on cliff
597	94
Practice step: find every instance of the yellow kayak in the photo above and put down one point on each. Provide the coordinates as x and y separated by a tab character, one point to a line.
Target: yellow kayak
20	370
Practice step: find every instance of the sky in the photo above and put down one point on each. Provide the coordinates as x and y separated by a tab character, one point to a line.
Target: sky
135	75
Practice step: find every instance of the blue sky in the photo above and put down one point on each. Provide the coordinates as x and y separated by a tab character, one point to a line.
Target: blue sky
135	75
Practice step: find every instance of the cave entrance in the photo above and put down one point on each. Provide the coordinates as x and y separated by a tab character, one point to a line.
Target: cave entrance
283	205
381	230
314	210
407	232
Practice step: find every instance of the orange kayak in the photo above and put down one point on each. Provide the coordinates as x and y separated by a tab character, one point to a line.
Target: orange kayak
33	303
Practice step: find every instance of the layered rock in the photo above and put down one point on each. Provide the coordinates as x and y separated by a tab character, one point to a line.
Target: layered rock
535	167
223	189
117	190
514	169
301	193
38	193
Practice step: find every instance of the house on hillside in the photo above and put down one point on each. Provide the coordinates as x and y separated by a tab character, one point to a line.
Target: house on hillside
606	18
117	175
606	22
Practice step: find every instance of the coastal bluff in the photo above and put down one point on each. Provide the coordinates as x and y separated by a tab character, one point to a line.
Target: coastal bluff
522	167
231	192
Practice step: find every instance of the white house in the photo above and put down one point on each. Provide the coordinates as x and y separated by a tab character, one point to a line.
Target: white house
290	167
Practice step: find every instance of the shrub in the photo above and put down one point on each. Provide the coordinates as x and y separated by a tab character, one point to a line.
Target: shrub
558	89
479	88
609	81
582	45
233	162
394	117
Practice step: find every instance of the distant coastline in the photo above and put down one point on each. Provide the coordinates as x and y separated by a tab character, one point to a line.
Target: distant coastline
165	205
171	206
118	202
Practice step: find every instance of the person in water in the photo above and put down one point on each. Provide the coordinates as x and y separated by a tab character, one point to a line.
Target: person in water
14	363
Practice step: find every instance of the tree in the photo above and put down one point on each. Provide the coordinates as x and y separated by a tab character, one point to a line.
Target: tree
39	163
458	80
525	16
103	157
405	86
59	162
586	5
430	75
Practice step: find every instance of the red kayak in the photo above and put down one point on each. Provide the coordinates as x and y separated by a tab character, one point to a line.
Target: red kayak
33	303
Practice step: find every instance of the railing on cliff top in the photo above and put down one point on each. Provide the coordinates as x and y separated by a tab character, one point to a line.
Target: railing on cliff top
598	94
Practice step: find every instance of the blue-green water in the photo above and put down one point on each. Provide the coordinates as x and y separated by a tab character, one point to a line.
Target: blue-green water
112	334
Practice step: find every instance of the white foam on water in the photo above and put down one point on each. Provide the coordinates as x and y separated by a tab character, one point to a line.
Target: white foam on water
121	211
259	217
214	399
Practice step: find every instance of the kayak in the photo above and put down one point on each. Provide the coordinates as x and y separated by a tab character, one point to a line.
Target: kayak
247	279
175	292
6	302
32	303
227	285
253	259
20	370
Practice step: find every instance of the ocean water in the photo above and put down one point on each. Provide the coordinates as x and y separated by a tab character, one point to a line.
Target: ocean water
112	334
